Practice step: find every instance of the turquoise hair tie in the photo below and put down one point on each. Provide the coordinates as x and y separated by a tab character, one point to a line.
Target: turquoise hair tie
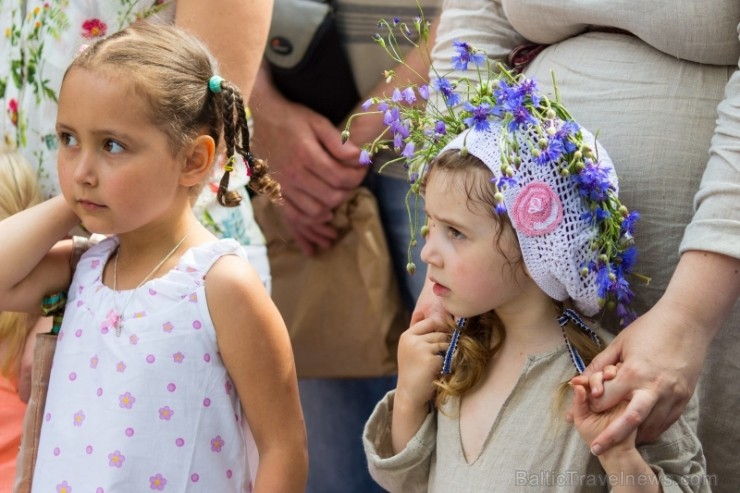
214	84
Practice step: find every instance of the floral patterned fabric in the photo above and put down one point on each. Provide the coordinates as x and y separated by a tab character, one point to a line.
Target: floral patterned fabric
39	40
153	409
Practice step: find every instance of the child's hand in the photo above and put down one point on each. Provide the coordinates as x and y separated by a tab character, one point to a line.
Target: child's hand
421	351
590	423
596	382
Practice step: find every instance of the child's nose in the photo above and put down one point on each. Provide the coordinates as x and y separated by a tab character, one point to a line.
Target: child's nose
85	170
429	254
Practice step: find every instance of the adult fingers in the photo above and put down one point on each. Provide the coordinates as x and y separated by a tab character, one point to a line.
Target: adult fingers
626	422
664	414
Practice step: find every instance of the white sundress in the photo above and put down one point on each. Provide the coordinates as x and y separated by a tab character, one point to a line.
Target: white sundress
153	409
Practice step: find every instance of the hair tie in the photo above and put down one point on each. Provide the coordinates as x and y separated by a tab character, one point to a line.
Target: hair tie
214	84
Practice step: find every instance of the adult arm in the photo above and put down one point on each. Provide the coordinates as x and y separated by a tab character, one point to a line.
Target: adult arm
235	32
305	151
701	294
316	171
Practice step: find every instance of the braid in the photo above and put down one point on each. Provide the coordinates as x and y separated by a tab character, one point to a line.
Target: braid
236	136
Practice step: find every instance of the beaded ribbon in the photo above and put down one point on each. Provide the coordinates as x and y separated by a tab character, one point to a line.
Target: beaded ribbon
53	306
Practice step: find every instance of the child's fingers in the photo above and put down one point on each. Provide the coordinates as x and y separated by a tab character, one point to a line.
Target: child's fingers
579	380
428	326
579	409
596	383
610	371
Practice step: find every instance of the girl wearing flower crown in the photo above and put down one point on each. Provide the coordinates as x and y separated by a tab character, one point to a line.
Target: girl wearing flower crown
173	369
525	230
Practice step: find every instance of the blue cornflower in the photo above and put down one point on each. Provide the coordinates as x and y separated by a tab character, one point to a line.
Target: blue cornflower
528	87
626	315
593	182
628	258
397	141
367	104
365	157
522	116
567	130
445	88
465	55
500	208
597	215
552	152
396	21
504	181
628	223
424	91
479	115
603	282
383	106
508	98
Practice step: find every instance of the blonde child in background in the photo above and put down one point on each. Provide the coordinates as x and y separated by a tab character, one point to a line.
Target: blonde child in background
172	367
525	230
19	190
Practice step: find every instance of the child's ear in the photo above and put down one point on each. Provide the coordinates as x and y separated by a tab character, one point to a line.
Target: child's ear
198	160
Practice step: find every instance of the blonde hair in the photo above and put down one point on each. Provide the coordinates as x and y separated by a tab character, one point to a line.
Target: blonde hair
171	69
482	336
19	190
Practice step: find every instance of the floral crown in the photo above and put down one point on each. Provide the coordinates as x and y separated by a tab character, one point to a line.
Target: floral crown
523	137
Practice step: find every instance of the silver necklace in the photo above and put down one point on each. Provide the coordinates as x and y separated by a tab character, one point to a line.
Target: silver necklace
118	324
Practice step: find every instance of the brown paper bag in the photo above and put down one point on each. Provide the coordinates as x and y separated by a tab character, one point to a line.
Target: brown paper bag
43	355
342	306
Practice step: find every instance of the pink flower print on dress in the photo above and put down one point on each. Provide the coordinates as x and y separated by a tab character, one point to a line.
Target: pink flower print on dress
166	413
64	487
94	362
116	459
217	444
79	418
120	367
228	387
112	319
152	292
193	298
178	357
197	325
157	482
167	327
95	264
133	340
94	28
126	400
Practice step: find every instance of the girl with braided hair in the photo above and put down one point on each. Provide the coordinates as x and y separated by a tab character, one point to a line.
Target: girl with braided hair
173	368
